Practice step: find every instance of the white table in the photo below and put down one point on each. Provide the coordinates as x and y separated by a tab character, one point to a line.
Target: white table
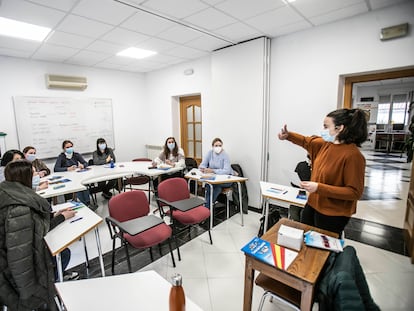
72	230
218	179
127	292
79	180
271	191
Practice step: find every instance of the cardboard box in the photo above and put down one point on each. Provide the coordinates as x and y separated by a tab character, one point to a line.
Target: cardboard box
290	237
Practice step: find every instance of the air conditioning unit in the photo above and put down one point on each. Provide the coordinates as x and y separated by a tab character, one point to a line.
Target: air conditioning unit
66	82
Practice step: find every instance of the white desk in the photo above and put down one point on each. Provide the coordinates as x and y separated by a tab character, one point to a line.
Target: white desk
287	194
70	231
79	181
219	179
127	292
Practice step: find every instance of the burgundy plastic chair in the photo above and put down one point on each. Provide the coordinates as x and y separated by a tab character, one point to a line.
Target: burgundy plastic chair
128	206
138	180
176	189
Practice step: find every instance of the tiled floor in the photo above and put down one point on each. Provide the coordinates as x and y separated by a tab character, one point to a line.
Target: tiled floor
213	275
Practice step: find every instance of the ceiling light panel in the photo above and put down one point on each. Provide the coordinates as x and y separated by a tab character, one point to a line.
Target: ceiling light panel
21	30
136	53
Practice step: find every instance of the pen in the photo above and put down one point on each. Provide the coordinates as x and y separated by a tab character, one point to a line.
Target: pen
77	207
276	189
285	192
76	219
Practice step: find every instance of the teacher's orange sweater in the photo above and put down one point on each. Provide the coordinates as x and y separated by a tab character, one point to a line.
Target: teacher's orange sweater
339	170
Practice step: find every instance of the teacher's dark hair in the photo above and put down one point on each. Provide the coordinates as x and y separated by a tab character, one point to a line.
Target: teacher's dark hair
19	171
9	155
355	125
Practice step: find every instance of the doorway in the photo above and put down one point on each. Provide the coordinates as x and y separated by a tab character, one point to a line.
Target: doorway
408	207
190	126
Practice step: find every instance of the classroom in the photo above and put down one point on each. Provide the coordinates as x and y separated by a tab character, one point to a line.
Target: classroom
254	65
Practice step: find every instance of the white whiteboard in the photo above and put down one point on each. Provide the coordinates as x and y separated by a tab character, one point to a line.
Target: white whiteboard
45	122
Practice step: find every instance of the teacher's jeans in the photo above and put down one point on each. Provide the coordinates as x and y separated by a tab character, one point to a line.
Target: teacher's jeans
217	189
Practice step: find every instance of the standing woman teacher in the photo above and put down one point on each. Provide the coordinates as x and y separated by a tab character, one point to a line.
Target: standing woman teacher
338	168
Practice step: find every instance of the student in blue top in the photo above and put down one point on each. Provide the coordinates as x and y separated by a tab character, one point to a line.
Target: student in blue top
69	160
218	162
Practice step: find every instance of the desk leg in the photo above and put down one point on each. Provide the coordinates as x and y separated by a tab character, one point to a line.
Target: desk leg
240	203
211	206
248	285
306	298
98	244
59	267
266	215
86	255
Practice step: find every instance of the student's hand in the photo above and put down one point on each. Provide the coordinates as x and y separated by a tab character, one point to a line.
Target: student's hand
309	186
169	162
72	168
284	133
208	170
154	164
81	166
108	159
68	213
42	174
43	185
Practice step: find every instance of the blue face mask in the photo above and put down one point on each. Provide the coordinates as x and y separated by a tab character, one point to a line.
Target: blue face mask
102	147
171	146
30	157
326	136
35	181
69	150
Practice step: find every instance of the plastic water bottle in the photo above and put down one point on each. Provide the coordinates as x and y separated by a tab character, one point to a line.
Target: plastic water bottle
112	165
177	297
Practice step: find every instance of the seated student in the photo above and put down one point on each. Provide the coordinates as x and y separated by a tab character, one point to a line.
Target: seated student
9	156
40	167
171	155
103	155
27	276
69	160
218	162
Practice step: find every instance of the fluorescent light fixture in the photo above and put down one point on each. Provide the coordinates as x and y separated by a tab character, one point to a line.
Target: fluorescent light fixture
136	53
21	30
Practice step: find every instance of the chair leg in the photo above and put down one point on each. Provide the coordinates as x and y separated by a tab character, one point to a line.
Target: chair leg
159	249
209	234
113	256
171	252
152	257
127	256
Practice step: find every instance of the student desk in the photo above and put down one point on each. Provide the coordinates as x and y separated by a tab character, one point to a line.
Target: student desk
72	230
270	191
301	275
80	180
218	179
127	292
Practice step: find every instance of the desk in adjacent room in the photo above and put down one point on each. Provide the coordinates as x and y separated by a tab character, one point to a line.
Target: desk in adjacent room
281	193
301	275
127	292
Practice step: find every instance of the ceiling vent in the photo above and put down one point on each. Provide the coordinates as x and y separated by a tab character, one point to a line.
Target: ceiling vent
66	82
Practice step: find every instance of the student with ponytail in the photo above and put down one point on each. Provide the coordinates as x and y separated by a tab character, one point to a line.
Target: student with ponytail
338	168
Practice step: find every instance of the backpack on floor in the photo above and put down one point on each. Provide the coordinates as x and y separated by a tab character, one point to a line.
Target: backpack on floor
273	218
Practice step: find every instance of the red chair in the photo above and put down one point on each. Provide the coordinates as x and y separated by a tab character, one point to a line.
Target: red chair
176	189
129	221
138	180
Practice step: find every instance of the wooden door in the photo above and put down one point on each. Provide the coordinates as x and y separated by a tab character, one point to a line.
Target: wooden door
190	125
409	218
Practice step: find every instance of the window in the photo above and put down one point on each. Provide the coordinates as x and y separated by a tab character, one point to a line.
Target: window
393	109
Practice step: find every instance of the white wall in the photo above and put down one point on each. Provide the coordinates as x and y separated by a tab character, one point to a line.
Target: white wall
163	88
305	70
19	77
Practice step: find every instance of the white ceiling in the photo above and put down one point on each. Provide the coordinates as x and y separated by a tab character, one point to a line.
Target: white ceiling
91	32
